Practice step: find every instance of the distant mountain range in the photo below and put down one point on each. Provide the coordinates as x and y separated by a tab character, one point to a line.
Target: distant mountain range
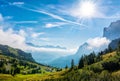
112	32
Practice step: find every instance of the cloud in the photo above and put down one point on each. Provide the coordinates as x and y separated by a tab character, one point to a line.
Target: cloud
18	39
9	37
15	40
115	15
34	35
46	46
51	15
22	33
52	25
24	22
44	39
98	42
43	12
17	3
4	18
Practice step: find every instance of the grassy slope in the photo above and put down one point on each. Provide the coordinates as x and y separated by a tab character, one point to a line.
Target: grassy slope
39	77
31	77
43	67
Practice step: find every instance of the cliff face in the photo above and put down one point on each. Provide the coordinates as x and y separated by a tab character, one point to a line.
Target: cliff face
114	43
113	31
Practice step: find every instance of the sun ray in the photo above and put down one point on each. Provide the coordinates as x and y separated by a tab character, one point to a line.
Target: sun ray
87	9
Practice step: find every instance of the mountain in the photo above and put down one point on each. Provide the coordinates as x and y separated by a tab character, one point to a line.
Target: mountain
62	61
113	31
114	43
105	67
15	61
16	53
49	54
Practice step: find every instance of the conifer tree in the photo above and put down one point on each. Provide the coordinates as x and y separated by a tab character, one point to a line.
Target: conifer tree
72	64
81	62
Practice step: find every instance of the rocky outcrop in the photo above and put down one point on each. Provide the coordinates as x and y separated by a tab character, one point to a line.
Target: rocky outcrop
113	31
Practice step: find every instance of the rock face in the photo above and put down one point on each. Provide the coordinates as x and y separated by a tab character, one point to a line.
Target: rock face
114	43
113	31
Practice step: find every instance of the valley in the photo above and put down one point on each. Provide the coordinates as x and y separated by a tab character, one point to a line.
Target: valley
59	40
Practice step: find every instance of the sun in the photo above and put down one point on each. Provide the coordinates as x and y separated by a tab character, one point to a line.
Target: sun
87	9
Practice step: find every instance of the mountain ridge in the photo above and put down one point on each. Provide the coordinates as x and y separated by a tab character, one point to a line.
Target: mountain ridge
111	29
16	53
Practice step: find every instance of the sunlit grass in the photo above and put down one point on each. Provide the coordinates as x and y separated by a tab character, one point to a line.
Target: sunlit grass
108	56
30	77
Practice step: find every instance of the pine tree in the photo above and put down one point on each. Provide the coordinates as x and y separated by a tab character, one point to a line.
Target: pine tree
66	67
110	49
72	64
81	63
118	48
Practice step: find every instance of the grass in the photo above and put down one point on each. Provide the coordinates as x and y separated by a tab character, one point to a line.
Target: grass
47	75
108	56
31	77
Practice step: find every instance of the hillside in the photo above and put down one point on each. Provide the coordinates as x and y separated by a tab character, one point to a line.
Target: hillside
104	66
15	53
15	61
92	72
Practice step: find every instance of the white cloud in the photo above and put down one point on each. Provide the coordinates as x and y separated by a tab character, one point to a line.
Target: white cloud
34	35
22	22
57	24
98	42
52	15
22	33
45	39
17	39
12	39
17	3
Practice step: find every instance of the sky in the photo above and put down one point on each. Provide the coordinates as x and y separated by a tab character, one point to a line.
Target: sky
51	25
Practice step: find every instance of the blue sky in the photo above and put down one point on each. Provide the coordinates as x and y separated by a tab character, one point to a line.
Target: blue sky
56	22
